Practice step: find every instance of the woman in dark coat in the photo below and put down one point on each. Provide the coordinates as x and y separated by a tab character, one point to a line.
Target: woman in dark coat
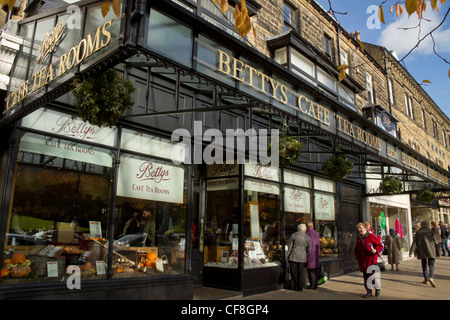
313	263
299	247
393	245
366	253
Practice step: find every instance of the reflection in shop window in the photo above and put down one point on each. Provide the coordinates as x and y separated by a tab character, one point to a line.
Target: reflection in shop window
326	224
60	210
150	223
263	245
297	206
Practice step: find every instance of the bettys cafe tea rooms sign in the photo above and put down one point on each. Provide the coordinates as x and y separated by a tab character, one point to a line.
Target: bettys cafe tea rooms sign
89	45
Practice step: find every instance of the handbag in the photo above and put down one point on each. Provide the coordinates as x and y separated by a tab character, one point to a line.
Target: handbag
381	264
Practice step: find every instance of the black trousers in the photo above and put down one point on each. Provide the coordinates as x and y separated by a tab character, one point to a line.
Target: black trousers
313	275
297	274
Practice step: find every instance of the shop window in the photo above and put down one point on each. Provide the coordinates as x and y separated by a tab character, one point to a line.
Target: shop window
221	216
150	223
297	207
263	243
60	209
326	224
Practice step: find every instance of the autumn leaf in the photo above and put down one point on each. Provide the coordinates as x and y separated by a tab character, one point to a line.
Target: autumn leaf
411	6
426	81
342	69
116	7
392	9
3	2
11	4
421	6
246	26
223	5
105	8
449	73
361	45
381	14
238	18
434	4
342	75
398	9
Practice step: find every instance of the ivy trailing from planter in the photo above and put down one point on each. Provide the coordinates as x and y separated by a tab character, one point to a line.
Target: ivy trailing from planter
102	100
391	185
337	167
425	195
289	152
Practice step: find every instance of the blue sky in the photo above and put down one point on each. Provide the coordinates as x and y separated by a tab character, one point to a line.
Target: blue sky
422	64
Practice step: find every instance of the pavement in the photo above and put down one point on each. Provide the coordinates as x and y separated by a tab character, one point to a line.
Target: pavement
405	284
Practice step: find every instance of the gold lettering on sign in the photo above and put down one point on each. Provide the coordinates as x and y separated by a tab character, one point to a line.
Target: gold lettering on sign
391	153
50	41
356	132
85	48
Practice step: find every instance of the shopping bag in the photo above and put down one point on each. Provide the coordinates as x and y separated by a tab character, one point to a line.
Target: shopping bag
323	276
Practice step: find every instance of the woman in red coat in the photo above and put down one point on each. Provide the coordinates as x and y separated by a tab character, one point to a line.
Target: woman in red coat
366	253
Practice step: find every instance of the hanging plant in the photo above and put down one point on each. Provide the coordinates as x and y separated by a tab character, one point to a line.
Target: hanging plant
289	150
103	99
337	167
425	195
391	185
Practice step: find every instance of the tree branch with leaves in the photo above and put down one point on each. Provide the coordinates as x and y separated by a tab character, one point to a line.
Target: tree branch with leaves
410	6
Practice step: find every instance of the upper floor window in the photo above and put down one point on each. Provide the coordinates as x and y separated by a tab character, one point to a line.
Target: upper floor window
435	131
289	16
444	139
409	106
424	123
391	91
327	43
344	58
369	87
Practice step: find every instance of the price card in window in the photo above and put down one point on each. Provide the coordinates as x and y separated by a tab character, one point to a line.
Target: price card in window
159	265
95	228
52	269
101	267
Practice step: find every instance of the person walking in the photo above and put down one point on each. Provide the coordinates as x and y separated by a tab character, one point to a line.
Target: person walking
313	263
299	248
436	230
444	236
392	243
424	244
367	248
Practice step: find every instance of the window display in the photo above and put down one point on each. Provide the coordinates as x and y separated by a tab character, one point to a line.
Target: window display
221	229
262	221
326	224
60	211
150	224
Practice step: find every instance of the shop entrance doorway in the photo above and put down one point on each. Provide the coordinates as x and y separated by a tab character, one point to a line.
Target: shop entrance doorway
350	215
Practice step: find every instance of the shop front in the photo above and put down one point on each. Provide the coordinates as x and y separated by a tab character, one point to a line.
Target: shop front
134	211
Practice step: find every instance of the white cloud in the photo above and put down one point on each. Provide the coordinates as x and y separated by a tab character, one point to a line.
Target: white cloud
402	41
